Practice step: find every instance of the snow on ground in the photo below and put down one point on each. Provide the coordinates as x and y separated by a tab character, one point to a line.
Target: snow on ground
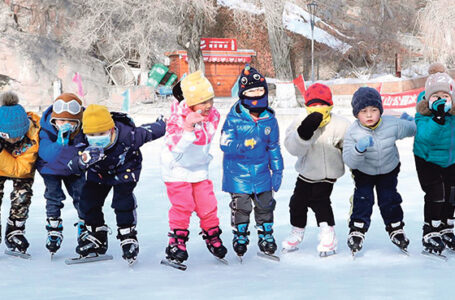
380	272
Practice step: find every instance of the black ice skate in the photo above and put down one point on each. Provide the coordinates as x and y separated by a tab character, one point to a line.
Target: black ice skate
214	243
176	250
448	237
266	241
240	241
129	243
81	228
93	241
355	238
398	237
432	241
15	240
54	229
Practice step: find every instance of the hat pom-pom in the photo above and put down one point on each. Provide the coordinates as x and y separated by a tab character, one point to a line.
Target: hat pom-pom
9	99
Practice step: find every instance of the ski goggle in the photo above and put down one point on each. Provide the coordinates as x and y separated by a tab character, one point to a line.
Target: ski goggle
73	107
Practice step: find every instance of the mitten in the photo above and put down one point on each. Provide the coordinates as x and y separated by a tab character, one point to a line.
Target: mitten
309	125
364	143
405	116
90	156
439	108
191	120
277	176
63	134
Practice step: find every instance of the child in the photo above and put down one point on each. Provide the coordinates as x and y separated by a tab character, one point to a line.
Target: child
252	164
19	143
435	162
371	153
112	161
184	163
60	136
317	141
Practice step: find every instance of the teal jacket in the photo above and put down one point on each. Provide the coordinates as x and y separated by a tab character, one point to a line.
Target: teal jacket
433	142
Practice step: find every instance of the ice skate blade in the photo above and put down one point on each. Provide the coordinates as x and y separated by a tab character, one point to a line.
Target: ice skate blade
240	258
435	255
222	260
131	261
284	250
323	254
17	254
268	256
404	251
87	259
173	264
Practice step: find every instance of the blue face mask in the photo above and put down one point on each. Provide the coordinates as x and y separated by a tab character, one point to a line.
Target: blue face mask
99	141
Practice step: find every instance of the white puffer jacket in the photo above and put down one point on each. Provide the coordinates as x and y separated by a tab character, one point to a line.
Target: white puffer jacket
320	157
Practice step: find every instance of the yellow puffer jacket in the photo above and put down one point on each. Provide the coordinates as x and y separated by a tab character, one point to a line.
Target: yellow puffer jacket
22	165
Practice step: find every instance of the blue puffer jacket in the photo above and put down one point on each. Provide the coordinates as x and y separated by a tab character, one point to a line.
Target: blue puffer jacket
123	160
433	142
52	157
248	171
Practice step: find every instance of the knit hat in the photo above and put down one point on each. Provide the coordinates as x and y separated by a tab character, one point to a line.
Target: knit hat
66	112
196	88
318	94
366	96
439	82
96	118
14	122
250	78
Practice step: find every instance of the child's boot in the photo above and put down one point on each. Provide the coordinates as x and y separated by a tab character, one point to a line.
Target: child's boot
447	234
240	241
213	241
14	236
293	240
356	237
176	250
54	229
431	240
94	240
397	235
327	240
129	243
266	241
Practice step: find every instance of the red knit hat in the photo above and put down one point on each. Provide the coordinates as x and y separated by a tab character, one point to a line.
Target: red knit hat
318	94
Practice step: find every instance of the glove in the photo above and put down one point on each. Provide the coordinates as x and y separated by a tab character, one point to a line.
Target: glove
405	116
161	119
439	108
191	120
277	176
90	156
309	125
364	143
63	134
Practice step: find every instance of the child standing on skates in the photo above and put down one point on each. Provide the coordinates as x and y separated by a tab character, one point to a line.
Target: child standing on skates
371	153
317	141
252	164
184	163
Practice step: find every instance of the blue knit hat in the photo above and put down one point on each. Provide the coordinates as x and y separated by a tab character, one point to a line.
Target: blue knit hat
250	78
14	122
366	96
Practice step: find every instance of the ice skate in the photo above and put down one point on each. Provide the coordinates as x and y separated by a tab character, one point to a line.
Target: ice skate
266	242
129	243
293	240
240	241
328	241
94	241
81	228
176	252
54	229
432	241
15	240
398	237
214	243
447	236
355	238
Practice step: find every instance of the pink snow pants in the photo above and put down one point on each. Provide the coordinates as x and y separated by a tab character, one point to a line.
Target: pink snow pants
187	197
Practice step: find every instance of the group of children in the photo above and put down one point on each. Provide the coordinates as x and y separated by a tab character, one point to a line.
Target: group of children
91	151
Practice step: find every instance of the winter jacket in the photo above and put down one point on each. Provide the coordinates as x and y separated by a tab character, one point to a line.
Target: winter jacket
320	157
21	162
433	142
247	171
53	158
123	160
383	156
185	155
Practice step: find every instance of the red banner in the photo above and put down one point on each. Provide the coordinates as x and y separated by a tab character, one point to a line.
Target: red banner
218	44
401	100
224	59
299	82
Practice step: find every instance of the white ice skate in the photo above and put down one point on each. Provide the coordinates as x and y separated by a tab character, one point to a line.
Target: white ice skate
328	241
293	240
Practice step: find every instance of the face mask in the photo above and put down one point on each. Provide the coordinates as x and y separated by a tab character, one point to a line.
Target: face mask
99	141
324	110
67	127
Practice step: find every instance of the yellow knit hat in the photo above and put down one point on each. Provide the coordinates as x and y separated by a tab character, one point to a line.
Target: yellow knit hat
196	88
96	118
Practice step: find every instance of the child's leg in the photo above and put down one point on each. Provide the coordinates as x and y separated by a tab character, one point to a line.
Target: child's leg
181	196
264	204
241	208
298	206
74	185
320	202
430	178
54	195
21	198
389	200
124	204
362	200
448	175
92	201
206	204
